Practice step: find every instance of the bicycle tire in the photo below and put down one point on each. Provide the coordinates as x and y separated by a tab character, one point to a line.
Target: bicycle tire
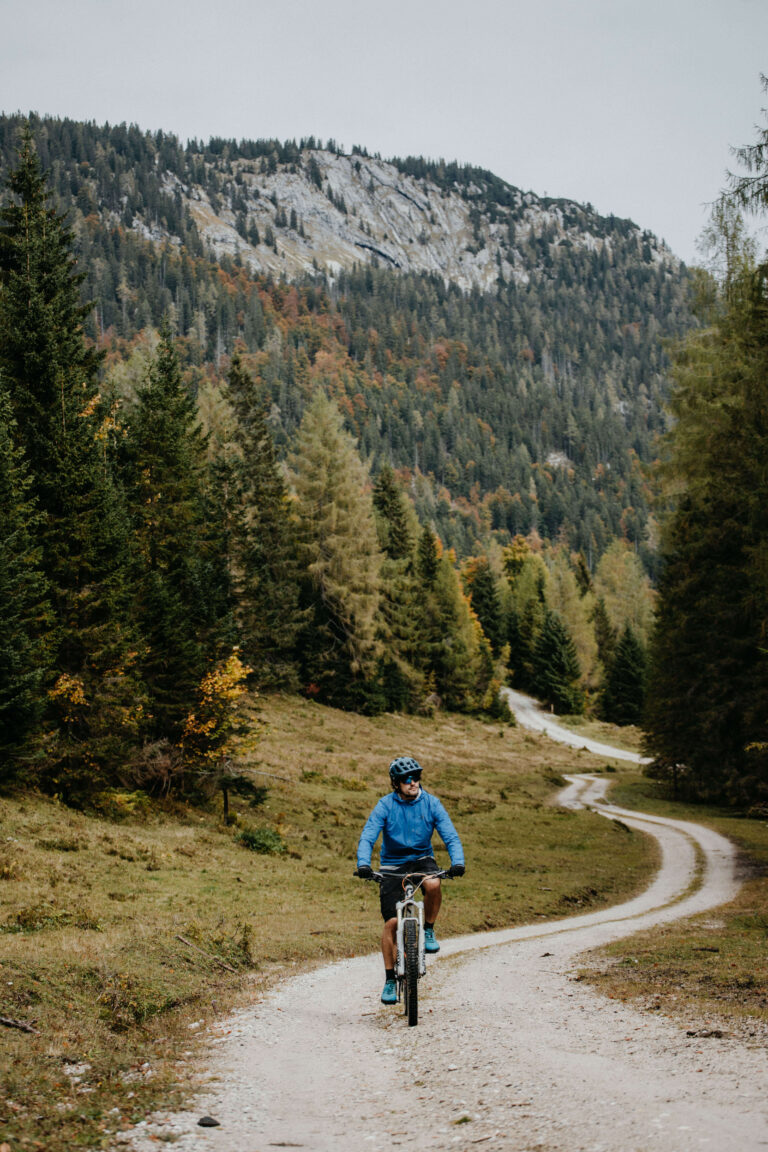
412	972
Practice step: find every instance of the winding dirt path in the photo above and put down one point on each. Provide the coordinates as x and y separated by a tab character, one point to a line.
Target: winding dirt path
529	714
511	1053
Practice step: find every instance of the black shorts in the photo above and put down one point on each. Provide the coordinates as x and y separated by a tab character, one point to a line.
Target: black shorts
391	889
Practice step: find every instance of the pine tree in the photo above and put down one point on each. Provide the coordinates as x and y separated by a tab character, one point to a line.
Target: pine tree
708	686
486	602
263	560
182	599
23	655
64	429
339	647
50	372
557	667
606	636
427	557
526	609
623	695
389	502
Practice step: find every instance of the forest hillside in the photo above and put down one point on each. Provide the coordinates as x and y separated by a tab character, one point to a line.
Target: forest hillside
502	351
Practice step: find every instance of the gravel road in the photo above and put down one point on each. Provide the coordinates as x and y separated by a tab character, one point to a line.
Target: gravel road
511	1051
529	714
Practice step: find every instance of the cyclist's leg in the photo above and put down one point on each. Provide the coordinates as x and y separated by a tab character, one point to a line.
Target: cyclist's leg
390	891
389	943
433	898
433	895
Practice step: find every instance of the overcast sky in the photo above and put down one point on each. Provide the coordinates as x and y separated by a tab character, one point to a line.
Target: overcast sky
630	105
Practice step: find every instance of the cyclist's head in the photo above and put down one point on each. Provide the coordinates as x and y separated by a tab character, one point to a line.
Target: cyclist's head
402	769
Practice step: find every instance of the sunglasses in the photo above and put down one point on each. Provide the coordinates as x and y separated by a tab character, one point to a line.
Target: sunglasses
411	778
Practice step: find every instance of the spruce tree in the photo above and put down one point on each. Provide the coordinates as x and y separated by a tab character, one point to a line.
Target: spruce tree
623	695
557	667
261	544
64	430
526	609
25	611
606	635
182	597
486	602
389	502
427	557
708	685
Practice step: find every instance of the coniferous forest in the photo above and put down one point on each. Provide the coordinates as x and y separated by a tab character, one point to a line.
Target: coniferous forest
375	487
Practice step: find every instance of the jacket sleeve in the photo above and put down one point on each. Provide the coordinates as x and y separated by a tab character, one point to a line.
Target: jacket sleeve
370	834
448	833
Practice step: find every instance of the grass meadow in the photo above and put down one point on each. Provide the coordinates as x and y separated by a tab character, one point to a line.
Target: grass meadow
121	940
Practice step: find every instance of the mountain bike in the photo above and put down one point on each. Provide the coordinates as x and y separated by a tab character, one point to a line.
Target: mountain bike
410	957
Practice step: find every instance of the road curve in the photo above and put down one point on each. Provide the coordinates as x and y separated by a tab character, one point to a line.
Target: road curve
529	714
510	1052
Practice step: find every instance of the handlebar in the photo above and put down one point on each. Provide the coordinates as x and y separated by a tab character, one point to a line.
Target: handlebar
379	877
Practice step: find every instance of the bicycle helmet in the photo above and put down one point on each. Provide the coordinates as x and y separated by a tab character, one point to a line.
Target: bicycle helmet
401	767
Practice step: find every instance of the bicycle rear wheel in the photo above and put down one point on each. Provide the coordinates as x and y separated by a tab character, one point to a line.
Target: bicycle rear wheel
412	972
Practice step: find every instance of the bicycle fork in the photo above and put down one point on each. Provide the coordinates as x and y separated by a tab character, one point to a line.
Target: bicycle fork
409	910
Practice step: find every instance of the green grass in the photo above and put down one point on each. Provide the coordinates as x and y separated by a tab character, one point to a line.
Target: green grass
121	942
710	968
628	737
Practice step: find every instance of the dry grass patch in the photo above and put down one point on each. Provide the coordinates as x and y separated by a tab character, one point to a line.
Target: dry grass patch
121	941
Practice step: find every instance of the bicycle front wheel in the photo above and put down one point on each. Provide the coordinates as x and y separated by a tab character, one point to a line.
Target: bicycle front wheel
412	972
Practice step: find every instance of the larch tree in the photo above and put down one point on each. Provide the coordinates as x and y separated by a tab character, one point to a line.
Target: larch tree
338	648
403	685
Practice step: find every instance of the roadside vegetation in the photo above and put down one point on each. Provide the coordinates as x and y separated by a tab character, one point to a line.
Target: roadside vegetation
123	935
710	971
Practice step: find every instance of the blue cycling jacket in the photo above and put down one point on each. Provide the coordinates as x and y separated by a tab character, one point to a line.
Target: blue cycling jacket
407	827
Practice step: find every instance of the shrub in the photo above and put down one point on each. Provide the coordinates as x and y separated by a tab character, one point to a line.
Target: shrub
263	840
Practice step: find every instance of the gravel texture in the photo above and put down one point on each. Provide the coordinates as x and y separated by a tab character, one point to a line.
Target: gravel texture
511	1051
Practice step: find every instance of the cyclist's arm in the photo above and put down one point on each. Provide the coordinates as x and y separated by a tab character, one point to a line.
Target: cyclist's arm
448	833
370	834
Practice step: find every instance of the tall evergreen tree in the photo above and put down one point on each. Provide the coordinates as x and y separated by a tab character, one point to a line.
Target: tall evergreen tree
480	582
623	696
339	647
606	635
25	613
51	375
557	667
427	556
182	600
263	560
389	502
526	609
708	688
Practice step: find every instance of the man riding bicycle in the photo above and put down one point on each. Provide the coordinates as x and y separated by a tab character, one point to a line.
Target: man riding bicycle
407	819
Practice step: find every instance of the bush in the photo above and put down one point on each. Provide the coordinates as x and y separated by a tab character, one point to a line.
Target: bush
263	840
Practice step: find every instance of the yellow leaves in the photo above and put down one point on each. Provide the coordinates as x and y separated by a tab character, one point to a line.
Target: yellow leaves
69	693
208	727
91	406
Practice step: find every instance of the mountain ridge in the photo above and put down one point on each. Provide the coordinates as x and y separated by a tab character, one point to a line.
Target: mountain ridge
507	348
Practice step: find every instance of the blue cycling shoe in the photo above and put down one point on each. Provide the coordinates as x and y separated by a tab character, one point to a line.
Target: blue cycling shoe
430	944
389	994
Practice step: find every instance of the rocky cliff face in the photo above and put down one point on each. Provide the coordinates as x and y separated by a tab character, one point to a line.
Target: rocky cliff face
332	211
